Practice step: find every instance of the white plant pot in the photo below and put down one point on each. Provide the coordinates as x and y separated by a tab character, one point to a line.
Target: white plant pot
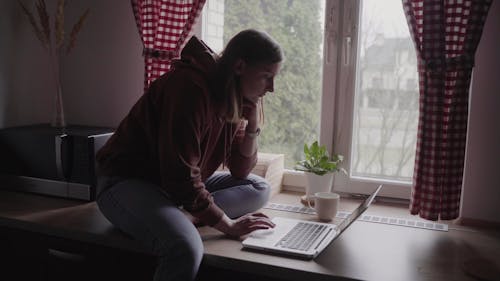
317	183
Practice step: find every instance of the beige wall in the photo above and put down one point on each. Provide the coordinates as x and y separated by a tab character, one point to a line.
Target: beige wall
104	76
481	193
101	78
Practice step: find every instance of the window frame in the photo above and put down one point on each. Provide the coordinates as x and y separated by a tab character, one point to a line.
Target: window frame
337	104
342	26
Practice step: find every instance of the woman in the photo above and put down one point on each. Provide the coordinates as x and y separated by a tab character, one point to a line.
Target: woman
157	173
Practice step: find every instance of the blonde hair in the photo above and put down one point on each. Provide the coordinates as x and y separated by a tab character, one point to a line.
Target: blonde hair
253	47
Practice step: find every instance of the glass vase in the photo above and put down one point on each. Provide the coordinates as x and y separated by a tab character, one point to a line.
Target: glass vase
58	119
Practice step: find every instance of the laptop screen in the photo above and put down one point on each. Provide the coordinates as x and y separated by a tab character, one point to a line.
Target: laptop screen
358	211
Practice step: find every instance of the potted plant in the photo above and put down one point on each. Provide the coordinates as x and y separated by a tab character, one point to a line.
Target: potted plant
319	169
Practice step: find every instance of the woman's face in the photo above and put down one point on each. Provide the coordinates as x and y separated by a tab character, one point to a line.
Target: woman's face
256	80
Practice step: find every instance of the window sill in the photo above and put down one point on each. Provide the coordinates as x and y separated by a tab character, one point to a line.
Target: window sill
295	181
271	167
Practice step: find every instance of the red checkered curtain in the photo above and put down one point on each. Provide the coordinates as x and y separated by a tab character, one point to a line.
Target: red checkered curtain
163	26
446	34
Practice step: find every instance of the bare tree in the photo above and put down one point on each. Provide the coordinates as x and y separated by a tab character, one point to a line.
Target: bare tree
391	104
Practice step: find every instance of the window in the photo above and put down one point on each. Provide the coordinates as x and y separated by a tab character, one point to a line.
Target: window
376	109
298	26
352	88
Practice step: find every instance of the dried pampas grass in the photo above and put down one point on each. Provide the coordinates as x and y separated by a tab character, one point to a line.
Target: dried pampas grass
42	29
44	18
34	25
75	30
59	24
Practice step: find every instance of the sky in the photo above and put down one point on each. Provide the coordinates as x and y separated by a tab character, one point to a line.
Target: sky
392	23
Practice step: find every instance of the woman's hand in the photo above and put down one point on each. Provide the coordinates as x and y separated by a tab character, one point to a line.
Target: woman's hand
244	224
249	128
251	114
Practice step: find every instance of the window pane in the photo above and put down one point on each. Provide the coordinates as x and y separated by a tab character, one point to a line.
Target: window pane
386	98
292	112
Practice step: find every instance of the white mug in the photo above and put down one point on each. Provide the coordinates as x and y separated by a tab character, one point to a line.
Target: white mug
326	205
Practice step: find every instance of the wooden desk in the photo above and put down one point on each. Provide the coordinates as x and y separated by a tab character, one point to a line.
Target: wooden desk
366	251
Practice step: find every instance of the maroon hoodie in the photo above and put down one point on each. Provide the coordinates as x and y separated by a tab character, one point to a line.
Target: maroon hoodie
176	135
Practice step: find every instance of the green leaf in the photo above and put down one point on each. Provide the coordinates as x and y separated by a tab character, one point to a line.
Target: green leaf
317	160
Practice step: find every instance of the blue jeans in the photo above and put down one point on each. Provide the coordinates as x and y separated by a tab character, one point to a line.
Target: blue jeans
145	212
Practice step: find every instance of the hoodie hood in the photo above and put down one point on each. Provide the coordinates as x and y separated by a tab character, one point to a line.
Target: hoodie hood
197	55
199	58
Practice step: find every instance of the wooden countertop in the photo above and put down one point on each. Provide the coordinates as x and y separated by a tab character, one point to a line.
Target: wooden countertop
366	251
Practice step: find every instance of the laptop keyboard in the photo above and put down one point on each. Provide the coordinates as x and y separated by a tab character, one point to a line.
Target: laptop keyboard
302	236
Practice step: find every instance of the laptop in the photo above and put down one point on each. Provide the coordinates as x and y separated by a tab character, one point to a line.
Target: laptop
302	238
